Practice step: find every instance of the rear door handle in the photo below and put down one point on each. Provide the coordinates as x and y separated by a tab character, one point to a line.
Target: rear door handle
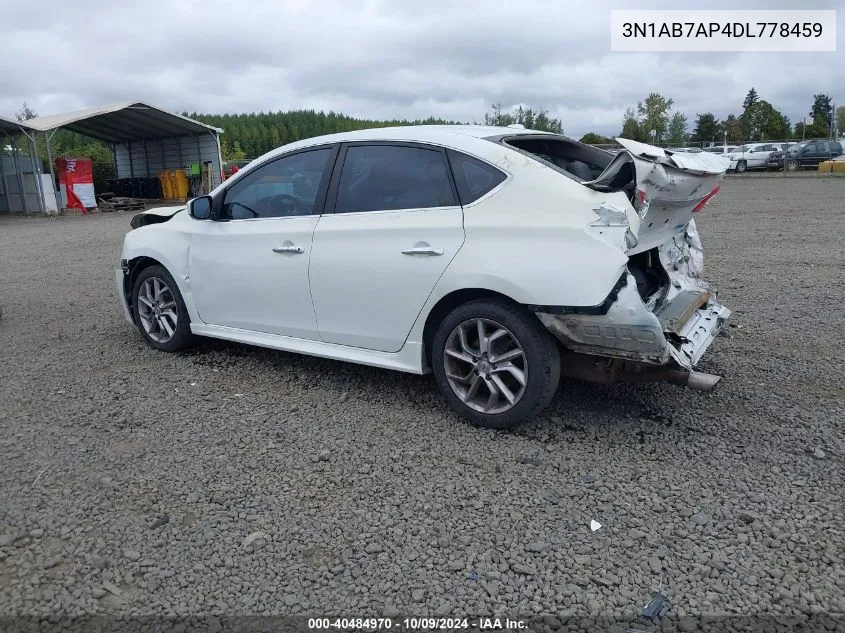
289	248
422	248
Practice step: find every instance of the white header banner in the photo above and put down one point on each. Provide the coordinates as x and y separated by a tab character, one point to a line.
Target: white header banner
723	31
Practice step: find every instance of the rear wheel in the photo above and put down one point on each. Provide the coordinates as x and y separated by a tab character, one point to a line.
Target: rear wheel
160	312
495	363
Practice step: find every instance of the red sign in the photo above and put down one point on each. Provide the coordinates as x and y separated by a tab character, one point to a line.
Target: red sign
76	183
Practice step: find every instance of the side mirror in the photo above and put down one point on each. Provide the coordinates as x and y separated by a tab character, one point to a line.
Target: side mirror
200	208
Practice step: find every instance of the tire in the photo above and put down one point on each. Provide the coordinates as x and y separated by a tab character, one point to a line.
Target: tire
741	166
792	165
538	362
160	333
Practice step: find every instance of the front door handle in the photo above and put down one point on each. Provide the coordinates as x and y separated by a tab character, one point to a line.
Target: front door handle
288	247
422	248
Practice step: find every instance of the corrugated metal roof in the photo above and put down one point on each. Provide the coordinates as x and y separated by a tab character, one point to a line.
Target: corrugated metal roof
8	126
123	122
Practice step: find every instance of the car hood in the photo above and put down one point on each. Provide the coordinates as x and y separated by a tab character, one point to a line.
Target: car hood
155	215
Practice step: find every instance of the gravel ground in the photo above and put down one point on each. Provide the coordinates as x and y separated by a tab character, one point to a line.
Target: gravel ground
234	480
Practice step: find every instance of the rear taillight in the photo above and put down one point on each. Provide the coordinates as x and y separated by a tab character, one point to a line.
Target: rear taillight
705	200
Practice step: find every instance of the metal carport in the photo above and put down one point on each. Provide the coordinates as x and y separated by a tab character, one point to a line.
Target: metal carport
144	139
21	185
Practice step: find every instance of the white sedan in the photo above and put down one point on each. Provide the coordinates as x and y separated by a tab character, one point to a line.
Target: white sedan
495	258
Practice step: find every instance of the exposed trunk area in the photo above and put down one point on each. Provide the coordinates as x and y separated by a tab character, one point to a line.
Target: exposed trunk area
664	188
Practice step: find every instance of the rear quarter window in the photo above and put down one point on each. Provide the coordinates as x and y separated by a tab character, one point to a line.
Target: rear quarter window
473	178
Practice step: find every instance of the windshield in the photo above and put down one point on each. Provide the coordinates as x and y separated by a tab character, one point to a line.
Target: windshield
742	148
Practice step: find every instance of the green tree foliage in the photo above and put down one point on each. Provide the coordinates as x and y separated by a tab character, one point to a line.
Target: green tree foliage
653	114
750	99
822	113
677	129
799	131
631	126
529	117
707	129
840	119
763	122
593	138
734	130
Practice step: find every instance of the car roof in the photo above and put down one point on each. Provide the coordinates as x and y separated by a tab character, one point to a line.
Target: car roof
446	135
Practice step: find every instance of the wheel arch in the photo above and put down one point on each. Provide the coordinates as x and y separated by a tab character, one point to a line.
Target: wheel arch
132	269
444	306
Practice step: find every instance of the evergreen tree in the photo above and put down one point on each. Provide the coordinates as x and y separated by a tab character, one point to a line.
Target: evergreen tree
822	113
707	129
677	129
750	99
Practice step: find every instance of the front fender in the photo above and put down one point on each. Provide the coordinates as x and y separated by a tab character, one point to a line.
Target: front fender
169	248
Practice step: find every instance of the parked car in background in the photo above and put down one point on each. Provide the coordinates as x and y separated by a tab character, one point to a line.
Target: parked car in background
804	154
720	149
496	258
689	150
753	155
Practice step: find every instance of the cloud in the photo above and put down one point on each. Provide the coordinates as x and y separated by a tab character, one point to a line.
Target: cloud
381	59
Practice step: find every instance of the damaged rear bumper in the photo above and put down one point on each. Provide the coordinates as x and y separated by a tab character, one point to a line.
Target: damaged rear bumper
676	335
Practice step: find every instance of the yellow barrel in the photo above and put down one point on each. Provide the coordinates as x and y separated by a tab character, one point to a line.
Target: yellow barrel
165	185
181	182
168	176
171	178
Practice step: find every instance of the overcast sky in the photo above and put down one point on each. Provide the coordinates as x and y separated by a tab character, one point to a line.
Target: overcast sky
383	59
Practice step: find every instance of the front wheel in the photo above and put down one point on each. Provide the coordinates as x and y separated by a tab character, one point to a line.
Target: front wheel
495	363
741	166
792	165
160	312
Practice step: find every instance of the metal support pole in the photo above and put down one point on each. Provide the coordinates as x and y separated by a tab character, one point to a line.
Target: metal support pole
36	170
17	163
181	155
114	159
216	138
4	187
146	159
52	171
131	165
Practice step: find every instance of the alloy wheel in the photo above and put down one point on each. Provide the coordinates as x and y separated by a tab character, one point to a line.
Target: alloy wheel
485	366
157	309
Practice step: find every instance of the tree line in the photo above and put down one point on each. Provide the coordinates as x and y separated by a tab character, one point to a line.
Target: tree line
653	121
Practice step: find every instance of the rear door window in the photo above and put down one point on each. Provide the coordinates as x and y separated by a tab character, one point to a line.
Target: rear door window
473	178
393	177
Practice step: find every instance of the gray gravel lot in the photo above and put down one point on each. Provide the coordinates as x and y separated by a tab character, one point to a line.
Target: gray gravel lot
134	482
